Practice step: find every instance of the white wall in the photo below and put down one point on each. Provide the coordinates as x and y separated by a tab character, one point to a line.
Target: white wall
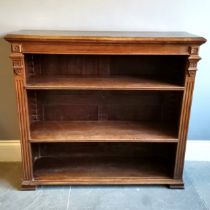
185	15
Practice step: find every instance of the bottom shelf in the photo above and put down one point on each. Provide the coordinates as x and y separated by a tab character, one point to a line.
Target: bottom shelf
103	170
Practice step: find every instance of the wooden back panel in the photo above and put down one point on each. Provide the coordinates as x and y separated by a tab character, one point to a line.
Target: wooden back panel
105	149
161	67
104	105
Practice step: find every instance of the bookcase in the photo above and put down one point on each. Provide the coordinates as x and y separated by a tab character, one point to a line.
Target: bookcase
103	107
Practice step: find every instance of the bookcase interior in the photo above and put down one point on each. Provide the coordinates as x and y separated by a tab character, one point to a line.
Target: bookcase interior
85	122
75	161
104	115
43	68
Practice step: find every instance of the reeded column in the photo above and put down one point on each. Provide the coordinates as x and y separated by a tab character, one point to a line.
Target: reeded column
19	73
185	111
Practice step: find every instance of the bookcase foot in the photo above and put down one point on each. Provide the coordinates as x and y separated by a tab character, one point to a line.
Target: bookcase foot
25	186
176	186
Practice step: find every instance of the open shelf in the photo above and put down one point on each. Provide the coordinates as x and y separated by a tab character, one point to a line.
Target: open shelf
106	83
105	72
100	169
104	131
103	163
96	116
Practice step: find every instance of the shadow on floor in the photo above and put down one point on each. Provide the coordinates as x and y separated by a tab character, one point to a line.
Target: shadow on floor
10	175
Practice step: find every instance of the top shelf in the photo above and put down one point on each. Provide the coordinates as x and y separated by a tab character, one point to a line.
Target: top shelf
96	83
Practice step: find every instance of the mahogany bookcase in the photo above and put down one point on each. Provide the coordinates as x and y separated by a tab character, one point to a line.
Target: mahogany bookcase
103	107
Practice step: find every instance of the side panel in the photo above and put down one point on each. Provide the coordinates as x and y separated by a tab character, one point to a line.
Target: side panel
19	74
185	112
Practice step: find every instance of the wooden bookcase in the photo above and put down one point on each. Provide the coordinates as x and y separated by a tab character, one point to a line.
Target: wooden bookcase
103	107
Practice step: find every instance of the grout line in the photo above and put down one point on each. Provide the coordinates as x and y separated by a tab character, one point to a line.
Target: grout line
68	202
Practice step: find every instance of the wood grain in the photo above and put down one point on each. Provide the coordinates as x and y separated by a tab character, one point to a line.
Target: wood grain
100	168
103	48
175	183
100	158
103	107
107	83
105	72
105	131
91	105
18	68
190	72
109	36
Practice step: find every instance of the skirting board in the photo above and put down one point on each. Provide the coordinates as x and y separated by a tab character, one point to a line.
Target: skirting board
10	151
196	151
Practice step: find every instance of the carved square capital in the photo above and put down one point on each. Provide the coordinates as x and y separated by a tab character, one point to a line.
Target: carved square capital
16	48
17	66
17	63
193	50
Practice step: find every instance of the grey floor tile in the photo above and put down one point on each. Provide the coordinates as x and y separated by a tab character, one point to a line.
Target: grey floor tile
52	198
44	198
135	198
199	173
194	197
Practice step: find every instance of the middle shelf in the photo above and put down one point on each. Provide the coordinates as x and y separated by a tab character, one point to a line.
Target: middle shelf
102	131
102	83
103	116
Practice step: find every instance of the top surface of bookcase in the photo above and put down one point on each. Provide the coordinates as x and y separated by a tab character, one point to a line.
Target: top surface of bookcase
105	36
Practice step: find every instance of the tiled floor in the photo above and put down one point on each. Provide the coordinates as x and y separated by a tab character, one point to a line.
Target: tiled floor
196	195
